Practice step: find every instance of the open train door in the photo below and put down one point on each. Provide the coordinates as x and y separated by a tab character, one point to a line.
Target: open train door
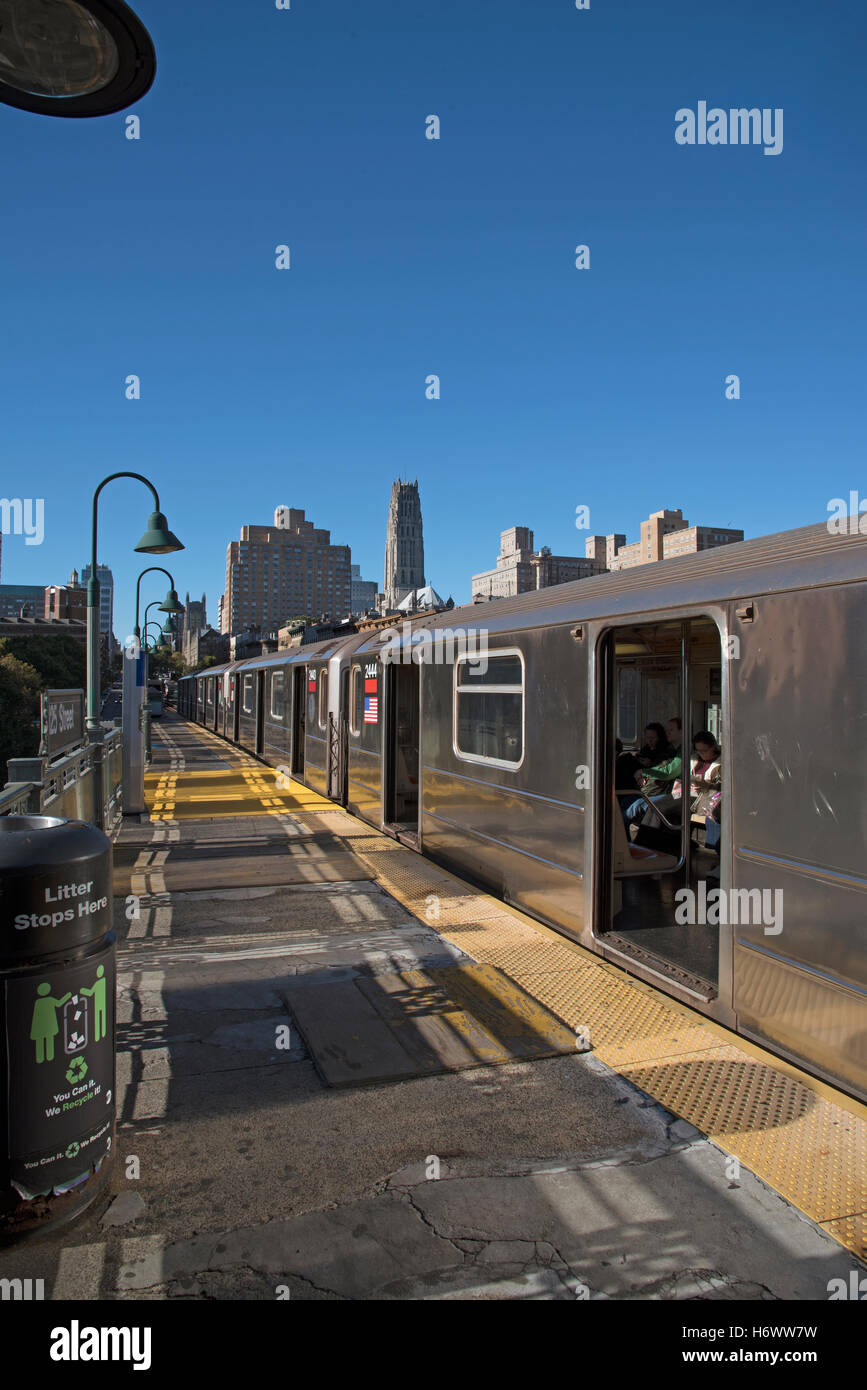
659	853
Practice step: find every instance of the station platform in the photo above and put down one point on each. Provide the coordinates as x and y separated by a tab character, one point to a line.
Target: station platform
345	1072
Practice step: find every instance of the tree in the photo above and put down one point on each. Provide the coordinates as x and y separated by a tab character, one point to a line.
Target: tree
19	709
176	666
60	661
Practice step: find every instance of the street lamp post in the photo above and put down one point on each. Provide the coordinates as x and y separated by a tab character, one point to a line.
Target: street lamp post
170	604
137	715
157	540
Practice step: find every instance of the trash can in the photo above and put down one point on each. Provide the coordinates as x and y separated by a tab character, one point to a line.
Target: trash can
57	1020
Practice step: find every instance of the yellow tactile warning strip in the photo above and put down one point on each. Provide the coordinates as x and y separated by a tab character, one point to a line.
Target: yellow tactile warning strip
800	1136
237	791
783	1126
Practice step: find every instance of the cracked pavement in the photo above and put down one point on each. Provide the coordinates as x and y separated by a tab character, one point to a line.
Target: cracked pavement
550	1179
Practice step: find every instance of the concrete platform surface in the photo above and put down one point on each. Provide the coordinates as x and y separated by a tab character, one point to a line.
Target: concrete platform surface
239	1171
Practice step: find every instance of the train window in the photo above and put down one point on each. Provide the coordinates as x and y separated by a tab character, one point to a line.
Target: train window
356	701
323	697
489	710
210	693
497	670
278	695
247	695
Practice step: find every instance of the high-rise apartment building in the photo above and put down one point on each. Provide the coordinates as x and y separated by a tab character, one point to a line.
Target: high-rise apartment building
15	597
105	579
520	568
364	591
275	572
404	544
514	570
663	535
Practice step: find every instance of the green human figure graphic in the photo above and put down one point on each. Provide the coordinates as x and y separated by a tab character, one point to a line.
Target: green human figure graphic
44	1027
97	994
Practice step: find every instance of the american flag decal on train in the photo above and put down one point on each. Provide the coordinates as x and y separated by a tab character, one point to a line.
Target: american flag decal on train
311	684
371	709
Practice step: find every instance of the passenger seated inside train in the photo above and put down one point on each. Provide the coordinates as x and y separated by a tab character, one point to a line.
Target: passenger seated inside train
705	793
627	766
655	748
658	784
705	773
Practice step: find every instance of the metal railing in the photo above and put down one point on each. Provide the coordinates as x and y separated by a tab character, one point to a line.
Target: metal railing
85	784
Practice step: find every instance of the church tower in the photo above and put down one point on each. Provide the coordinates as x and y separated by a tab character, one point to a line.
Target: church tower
404	546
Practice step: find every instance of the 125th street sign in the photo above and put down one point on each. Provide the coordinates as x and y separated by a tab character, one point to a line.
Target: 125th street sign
62	720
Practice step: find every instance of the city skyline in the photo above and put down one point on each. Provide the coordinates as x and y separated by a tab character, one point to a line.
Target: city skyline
558	386
620	551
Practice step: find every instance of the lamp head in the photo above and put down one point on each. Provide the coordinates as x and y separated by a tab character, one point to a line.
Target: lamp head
171	603
73	57
158	539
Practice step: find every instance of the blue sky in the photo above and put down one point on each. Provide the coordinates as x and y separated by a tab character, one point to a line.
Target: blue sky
559	387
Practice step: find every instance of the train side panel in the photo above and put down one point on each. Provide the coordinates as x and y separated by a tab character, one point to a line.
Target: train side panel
518	830
800	826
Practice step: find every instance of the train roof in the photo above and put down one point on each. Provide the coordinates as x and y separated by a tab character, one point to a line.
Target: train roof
292	655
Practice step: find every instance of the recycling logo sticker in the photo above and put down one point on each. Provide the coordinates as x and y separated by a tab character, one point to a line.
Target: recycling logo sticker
76	1071
59	1036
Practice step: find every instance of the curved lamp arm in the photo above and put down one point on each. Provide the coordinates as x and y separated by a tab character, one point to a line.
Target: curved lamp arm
93	603
151	569
110	479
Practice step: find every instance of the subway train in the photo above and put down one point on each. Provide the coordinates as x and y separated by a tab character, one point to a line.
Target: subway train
486	738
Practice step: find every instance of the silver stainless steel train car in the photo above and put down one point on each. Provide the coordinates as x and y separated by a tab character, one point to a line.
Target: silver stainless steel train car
486	737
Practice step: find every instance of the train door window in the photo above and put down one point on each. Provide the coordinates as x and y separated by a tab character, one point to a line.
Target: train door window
260	712
489	709
402	771
356	701
661	809
298	713
323	697
247	695
278	695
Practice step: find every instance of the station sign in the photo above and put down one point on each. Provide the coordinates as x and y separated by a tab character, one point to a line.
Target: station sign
62	720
